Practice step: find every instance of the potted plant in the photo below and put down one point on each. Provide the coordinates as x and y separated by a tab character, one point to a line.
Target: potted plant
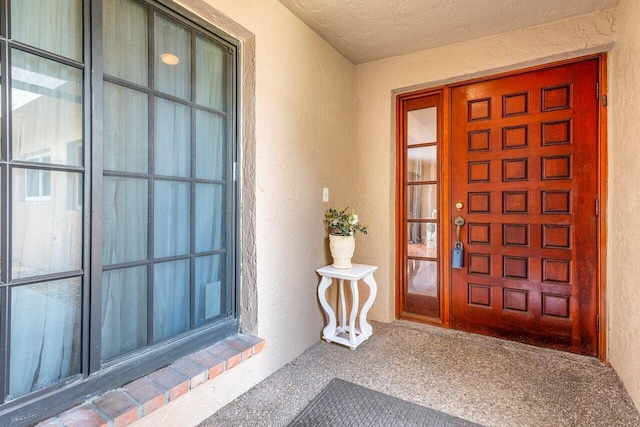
342	229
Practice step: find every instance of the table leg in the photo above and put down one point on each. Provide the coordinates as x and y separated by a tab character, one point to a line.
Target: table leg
354	313
330	330
373	290
343	308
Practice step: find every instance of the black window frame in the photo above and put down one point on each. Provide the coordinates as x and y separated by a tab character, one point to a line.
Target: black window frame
97	376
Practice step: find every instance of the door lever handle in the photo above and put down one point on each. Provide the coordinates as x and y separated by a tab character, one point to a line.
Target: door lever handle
459	222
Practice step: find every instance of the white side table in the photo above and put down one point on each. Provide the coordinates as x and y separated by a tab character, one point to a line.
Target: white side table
347	335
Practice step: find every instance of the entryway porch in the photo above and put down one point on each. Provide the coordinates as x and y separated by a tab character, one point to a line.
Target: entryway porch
486	380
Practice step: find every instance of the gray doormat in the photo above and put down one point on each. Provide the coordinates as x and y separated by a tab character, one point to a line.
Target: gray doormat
342	403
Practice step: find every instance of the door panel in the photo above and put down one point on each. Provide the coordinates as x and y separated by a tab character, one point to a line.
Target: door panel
524	162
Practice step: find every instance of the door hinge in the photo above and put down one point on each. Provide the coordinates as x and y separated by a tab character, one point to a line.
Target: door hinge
597	206
597	323
604	100
235	171
597	90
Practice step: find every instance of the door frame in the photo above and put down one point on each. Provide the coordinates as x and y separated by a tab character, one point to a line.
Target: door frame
445	194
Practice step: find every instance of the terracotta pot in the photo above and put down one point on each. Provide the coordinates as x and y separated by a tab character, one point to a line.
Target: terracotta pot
342	248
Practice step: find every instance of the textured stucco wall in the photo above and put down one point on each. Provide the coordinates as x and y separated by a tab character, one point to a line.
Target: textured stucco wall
300	139
377	82
623	281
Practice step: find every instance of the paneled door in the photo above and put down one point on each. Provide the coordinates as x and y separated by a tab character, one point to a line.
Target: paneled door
524	178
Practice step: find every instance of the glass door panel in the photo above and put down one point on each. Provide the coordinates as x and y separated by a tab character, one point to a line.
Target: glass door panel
422	126
422	240
422	201
422	163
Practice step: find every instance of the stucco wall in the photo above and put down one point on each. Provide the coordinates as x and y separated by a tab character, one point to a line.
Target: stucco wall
623	279
377	82
303	125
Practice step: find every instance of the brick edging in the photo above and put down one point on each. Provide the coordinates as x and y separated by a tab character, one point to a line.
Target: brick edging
125	405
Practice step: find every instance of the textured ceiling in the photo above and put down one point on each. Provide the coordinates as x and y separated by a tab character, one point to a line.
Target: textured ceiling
367	30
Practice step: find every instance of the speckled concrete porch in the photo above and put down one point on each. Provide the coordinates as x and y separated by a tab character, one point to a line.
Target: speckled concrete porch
481	379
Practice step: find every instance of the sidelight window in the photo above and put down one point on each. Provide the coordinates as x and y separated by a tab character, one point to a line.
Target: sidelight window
420	164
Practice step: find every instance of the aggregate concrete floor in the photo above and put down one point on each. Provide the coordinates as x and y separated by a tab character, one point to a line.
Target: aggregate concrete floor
481	379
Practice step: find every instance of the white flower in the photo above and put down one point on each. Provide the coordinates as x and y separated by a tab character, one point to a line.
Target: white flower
354	219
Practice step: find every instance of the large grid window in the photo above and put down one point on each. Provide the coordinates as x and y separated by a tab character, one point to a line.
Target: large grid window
165	178
117	192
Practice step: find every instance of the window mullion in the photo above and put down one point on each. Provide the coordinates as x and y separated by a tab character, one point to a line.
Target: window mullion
4	206
192	229
93	158
150	222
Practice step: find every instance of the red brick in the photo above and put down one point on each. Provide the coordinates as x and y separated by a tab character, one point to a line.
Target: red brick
250	339
176	383
197	373
258	347
214	364
232	357
240	345
119	407
148	394
83	416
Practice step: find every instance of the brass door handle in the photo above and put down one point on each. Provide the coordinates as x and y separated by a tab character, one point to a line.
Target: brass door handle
459	222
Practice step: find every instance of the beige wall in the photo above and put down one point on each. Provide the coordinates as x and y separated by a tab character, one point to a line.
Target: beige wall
311	104
623	279
378	81
304	141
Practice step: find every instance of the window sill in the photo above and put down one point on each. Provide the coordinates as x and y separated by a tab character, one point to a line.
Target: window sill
133	401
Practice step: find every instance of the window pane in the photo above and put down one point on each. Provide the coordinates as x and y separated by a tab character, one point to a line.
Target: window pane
211	73
173	139
126	129
209	288
47	109
125	220
210	217
172	57
422	201
125	40
171	298
422	240
52	25
171	218
34	188
45	335
422	164
47	235
124	311
422	126
423	277
211	153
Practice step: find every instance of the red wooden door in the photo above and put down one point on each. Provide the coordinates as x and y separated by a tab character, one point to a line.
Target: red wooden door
524	164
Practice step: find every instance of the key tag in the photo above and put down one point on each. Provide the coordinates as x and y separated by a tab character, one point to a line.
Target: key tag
458	255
